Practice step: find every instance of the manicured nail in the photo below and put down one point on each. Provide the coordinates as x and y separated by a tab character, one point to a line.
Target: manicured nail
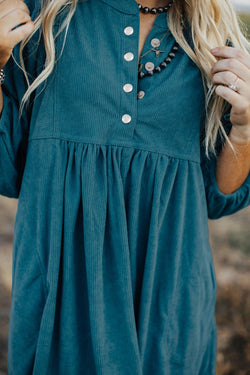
214	50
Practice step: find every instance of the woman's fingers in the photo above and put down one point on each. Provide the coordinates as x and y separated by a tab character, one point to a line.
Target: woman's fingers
233	65
15	25
233	53
227	77
7	6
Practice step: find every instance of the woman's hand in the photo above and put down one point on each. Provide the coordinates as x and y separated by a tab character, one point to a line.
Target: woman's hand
12	14
234	67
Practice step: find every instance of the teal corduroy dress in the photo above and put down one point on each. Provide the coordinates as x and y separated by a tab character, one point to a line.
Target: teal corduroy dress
112	267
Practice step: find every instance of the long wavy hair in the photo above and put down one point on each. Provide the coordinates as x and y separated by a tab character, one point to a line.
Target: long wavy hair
212	23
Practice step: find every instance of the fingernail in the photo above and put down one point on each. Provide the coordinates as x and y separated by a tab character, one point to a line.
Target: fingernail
214	50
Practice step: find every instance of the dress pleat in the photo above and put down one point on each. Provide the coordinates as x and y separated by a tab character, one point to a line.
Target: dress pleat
112	267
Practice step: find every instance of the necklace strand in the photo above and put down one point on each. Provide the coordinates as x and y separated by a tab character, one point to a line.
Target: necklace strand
163	64
155	48
154	10
157	69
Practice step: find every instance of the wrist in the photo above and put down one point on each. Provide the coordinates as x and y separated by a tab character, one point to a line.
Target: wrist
240	135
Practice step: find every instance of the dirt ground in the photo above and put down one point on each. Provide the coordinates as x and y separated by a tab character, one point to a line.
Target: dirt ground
230	242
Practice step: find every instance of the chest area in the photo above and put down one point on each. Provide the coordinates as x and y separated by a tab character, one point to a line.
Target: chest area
95	90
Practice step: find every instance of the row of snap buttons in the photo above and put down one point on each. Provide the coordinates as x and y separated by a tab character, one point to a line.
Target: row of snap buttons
129	56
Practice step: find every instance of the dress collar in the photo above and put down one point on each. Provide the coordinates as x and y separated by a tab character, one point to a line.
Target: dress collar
124	6
131	7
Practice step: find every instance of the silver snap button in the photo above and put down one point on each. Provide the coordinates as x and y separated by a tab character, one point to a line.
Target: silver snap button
128	30
155	42
140	94
129	56
128	87
126	118
149	66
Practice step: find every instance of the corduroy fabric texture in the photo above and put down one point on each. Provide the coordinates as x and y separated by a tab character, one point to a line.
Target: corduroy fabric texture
112	267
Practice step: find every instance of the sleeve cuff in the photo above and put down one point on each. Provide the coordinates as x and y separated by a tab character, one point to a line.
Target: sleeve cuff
226	204
8	174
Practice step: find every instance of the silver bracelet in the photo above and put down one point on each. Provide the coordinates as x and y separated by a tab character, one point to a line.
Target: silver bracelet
2	76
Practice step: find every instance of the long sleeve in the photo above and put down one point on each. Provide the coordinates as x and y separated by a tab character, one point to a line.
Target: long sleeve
14	131
218	203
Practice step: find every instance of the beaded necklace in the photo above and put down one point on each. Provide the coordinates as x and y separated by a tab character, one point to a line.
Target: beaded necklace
165	9
150	67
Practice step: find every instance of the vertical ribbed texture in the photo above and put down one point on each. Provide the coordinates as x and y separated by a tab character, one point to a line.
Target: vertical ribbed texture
112	266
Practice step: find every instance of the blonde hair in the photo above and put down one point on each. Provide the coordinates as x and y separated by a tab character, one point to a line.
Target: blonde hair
212	23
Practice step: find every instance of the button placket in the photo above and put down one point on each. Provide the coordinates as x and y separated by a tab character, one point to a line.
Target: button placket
127	78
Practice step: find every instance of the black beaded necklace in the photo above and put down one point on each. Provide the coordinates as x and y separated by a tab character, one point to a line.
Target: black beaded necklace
156	10
157	69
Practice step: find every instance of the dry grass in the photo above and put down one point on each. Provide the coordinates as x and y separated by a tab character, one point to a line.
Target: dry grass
230	242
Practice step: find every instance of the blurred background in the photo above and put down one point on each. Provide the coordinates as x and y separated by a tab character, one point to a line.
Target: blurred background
230	242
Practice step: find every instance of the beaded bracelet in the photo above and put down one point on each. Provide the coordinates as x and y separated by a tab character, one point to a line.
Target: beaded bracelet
2	76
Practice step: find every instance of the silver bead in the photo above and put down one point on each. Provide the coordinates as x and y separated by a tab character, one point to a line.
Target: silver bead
149	66
140	94
155	42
